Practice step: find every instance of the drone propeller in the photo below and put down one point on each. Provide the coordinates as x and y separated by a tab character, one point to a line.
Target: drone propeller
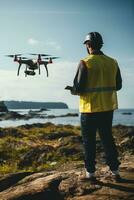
45	55
22	57
14	55
35	54
51	58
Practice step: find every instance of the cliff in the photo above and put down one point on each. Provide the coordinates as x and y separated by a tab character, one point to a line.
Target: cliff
35	105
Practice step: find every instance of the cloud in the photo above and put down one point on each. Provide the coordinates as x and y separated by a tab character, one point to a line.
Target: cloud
53	45
33	41
47	44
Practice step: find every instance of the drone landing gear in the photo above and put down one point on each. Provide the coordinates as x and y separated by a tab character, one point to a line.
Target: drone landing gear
18	69
46	69
31	73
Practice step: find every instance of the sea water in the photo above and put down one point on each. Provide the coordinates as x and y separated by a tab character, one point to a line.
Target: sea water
121	116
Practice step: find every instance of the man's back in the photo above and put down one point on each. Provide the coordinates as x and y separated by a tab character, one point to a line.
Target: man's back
100	89
102	71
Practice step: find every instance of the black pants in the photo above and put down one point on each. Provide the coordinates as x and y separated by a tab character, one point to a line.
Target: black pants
102	121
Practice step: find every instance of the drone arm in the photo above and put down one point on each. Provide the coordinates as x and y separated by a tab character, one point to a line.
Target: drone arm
46	69
39	68
19	69
26	70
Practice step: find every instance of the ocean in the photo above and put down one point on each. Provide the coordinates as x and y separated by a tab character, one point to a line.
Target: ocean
121	116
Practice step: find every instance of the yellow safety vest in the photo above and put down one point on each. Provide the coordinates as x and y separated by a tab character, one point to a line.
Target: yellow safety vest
100	91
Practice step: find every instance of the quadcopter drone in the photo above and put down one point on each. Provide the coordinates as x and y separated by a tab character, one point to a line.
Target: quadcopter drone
33	64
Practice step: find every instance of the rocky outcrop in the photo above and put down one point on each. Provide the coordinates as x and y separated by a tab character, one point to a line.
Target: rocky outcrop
32	114
68	185
37	186
12	115
48	161
3	107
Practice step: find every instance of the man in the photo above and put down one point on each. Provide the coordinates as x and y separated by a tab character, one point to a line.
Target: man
96	82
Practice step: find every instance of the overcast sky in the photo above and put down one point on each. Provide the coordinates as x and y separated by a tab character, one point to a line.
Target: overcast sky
58	28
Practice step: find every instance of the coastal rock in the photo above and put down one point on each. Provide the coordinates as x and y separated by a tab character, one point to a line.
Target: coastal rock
45	187
12	115
127	113
57	135
51	168
3	107
67	185
131	132
32	114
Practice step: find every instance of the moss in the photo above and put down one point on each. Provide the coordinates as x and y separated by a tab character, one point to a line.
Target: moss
47	146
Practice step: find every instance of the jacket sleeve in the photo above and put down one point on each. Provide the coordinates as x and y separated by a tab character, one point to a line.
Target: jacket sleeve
80	79
118	80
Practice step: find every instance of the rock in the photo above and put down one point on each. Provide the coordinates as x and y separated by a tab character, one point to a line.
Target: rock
127	113
11	179
66	185
36	153
70	115
45	187
11	115
56	135
30	150
3	107
43	109
53	163
66	115
127	144
131	132
126	140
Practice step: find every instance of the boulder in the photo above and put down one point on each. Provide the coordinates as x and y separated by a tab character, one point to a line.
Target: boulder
3	107
38	188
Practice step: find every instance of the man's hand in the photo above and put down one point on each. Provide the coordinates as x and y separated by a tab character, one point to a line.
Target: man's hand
73	92
68	87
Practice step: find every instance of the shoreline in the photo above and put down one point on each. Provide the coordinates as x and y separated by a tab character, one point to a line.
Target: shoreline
64	116
19	123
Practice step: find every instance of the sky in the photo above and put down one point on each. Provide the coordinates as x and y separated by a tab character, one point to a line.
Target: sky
58	28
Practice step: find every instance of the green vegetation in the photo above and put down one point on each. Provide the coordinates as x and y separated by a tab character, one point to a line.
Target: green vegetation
40	147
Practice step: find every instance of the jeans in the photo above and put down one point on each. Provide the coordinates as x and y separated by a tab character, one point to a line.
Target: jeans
90	123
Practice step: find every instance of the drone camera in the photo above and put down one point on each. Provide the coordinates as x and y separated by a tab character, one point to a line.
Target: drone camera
31	73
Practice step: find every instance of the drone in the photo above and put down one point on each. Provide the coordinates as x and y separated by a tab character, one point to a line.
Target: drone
33	64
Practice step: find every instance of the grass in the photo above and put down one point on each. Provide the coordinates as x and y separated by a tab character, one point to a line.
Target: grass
36	148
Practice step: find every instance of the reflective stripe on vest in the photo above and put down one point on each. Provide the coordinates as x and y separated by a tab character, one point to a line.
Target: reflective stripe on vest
99	89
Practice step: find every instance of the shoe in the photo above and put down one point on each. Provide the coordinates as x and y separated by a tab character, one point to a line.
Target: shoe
89	177
117	178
